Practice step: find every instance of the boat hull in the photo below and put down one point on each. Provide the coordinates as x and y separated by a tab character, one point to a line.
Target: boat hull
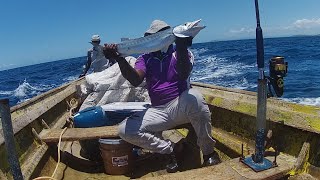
293	126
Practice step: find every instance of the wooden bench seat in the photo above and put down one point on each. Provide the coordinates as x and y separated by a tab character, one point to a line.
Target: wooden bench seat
75	134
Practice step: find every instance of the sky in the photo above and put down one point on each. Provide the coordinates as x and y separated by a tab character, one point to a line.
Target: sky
37	31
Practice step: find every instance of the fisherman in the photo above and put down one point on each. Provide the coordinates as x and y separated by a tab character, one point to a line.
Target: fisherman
167	74
96	61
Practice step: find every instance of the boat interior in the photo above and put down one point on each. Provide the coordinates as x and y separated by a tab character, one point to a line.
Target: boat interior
292	144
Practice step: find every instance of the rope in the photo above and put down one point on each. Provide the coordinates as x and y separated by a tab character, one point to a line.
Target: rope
73	104
55	170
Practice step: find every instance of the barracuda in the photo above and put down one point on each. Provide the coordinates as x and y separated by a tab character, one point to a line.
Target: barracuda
160	40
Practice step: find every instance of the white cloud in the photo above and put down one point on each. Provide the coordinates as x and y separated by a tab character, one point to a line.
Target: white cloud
300	27
307	23
242	31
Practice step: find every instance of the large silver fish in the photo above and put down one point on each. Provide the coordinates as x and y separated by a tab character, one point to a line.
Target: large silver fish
159	40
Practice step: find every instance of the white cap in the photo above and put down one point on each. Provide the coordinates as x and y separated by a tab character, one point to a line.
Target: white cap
95	38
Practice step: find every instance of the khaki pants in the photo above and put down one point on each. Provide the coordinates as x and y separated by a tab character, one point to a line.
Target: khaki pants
142	129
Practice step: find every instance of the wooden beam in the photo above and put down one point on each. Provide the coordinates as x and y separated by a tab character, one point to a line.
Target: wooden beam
33	158
233	169
75	134
28	167
2	176
301	164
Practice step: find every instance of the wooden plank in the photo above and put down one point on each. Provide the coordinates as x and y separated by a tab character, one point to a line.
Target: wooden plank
2	176
33	158
301	163
28	167
233	142
233	169
75	134
285	164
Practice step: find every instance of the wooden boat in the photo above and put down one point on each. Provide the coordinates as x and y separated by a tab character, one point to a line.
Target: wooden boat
295	134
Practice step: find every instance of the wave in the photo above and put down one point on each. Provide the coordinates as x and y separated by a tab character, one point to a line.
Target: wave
197	52
24	89
70	78
27	90
243	84
6	92
305	101
213	67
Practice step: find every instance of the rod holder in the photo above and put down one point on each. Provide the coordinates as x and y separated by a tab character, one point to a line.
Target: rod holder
257	162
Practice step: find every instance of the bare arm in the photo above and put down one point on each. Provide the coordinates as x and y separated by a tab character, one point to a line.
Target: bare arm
135	77
184	66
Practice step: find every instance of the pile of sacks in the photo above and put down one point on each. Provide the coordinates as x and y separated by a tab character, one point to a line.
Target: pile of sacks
110	86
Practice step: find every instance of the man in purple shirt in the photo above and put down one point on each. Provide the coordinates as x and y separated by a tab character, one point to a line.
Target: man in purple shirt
173	101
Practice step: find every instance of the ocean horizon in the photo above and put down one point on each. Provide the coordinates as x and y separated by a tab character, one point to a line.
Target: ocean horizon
229	64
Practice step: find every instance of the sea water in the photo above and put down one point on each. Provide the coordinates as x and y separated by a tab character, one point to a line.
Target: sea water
230	64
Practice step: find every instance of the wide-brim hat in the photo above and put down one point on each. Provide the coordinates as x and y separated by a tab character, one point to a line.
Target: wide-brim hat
156	26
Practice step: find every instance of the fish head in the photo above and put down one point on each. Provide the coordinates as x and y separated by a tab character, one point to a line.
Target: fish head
189	29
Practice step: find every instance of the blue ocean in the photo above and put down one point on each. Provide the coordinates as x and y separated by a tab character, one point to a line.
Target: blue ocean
225	63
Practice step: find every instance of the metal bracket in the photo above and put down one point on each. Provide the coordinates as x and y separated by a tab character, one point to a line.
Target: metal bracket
242	156
257	167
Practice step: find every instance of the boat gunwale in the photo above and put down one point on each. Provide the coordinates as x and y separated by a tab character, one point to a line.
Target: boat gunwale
43	95
18	126
278	105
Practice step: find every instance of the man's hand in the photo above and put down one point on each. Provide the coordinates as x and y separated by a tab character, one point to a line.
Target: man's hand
183	42
110	51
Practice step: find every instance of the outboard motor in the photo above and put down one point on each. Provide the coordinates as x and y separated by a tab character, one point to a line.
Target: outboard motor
278	69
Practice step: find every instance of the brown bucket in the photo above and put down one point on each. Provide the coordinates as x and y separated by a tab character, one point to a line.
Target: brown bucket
117	156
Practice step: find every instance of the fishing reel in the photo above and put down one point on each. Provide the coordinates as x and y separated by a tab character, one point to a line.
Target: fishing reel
278	69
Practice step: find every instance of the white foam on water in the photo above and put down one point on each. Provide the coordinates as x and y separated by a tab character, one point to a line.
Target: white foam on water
70	78
243	84
23	100
196	52
216	67
306	101
222	71
22	89
6	92
25	89
207	72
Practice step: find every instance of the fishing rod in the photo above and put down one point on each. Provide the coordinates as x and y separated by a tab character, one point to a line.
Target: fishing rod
257	161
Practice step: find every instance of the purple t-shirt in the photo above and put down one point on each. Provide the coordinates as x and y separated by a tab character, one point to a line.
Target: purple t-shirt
162	79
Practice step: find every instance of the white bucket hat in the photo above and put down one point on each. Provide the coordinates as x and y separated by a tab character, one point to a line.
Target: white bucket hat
156	26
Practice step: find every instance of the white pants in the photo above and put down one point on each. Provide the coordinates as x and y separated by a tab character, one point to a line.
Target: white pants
142	129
